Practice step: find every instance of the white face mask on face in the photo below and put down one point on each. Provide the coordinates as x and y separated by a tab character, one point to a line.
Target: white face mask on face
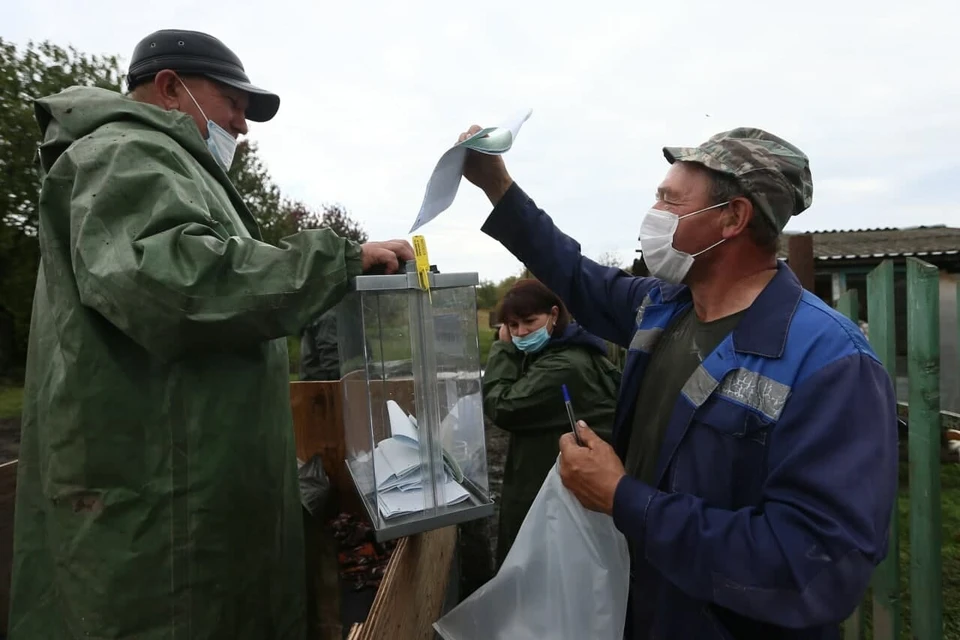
221	144
656	243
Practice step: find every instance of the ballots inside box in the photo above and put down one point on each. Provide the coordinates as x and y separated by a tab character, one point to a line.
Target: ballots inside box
413	412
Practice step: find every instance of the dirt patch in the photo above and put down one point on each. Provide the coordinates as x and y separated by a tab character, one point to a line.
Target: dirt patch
9	439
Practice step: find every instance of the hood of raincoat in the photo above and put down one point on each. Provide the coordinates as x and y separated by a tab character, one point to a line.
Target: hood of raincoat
76	112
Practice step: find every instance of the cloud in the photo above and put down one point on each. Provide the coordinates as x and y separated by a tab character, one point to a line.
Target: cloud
373	93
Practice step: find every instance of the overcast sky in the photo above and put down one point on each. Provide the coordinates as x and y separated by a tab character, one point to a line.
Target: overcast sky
374	92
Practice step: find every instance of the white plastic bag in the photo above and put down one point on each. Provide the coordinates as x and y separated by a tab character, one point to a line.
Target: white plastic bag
566	576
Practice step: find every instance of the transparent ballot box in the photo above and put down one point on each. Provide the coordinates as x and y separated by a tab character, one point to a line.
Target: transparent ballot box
412	406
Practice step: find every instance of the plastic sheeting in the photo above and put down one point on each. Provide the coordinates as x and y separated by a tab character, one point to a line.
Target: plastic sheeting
566	576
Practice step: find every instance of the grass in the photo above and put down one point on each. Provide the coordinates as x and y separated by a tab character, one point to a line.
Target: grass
11	402
486	341
950	554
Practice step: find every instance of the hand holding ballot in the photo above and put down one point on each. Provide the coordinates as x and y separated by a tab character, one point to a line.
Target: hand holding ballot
486	171
591	472
444	182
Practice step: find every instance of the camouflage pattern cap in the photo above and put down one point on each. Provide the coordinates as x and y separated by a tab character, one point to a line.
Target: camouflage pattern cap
773	172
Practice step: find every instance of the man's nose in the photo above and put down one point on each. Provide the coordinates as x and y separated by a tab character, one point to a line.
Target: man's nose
239	123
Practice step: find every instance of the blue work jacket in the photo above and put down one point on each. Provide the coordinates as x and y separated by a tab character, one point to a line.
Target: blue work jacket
777	475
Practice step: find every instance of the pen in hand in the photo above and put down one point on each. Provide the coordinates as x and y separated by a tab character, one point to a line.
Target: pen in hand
573	419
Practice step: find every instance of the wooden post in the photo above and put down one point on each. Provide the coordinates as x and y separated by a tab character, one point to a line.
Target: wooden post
8	498
923	357
800	256
848	305
881	317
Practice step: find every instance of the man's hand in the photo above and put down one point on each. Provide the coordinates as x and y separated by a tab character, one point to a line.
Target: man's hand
590	472
387	254
504	333
485	170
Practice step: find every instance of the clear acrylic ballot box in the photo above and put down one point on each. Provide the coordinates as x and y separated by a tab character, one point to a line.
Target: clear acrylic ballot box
412	406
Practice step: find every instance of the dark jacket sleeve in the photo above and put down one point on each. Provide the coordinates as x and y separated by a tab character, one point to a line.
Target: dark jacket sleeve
603	299
804	556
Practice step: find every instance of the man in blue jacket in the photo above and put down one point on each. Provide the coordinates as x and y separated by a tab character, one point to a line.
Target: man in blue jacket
754	463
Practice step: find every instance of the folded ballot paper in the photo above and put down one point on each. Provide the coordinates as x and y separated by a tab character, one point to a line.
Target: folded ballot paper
444	182
398	469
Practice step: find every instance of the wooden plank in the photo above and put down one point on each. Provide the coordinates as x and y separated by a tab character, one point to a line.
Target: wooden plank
923	359
410	598
800	257
848	305
318	429
881	318
8	497
319	419
853	626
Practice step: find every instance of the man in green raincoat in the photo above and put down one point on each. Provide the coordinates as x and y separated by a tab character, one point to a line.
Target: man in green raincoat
157	490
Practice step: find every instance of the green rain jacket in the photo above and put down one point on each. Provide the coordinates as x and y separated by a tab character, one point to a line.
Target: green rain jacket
157	492
522	394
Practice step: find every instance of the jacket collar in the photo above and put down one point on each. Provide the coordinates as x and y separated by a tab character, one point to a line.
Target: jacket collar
763	329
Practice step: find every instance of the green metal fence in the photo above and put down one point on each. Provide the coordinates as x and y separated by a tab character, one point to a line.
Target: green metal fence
924	443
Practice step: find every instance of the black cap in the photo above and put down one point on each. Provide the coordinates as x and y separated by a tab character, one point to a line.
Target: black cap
192	52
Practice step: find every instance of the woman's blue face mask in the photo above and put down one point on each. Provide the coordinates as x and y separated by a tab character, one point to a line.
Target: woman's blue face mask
532	342
537	339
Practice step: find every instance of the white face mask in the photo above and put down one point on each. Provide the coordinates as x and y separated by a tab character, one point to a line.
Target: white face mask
656	244
221	144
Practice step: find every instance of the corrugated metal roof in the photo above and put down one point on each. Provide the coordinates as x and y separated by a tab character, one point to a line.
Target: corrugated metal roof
881	243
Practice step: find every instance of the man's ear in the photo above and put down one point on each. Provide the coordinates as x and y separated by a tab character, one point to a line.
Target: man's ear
737	217
169	89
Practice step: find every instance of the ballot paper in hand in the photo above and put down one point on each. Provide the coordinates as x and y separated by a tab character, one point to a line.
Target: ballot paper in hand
445	180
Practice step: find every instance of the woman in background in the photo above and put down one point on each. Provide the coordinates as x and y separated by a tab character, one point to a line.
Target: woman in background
540	349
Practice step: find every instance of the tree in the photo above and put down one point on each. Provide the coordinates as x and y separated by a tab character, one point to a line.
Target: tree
333	216
277	216
487	295
261	195
610	259
35	71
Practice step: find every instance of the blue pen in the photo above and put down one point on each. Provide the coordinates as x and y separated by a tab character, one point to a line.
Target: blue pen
573	420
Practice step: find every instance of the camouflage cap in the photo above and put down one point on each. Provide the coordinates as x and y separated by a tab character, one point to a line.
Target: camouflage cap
773	172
